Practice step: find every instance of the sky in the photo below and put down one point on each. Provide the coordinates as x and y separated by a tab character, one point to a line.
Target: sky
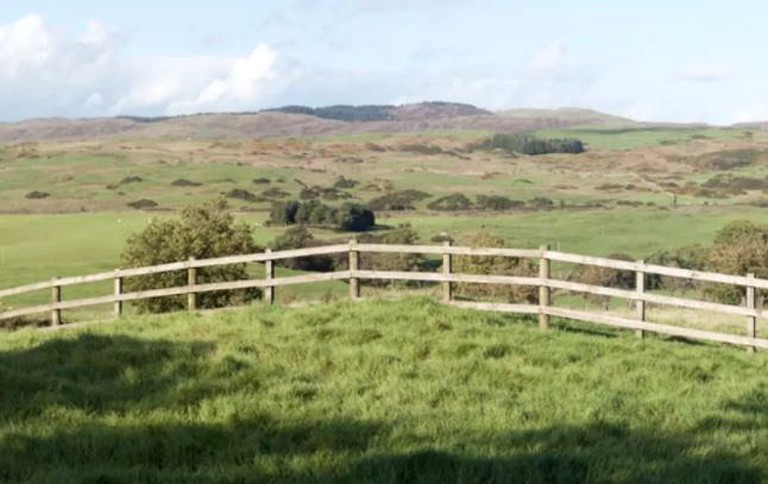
673	60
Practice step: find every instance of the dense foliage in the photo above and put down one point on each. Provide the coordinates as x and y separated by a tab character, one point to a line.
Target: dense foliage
494	265
398	200
451	203
348	217
205	231
531	145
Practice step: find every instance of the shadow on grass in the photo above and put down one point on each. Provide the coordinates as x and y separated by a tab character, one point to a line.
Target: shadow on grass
113	374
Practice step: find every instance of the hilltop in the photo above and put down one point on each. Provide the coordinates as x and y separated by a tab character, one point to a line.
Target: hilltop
294	121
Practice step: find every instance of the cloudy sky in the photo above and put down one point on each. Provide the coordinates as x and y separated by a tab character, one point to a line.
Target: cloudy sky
668	60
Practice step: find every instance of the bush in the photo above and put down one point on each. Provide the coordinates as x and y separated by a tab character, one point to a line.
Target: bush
605	277
262	181
203	232
452	203
402	235
299	237
740	247
244	195
401	200
497	203
182	182
495	265
345	183
143	204
37	195
349	216
693	257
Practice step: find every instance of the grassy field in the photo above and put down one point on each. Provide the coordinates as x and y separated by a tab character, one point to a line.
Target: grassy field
404	391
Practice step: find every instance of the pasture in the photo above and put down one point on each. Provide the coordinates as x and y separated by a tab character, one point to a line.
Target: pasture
376	392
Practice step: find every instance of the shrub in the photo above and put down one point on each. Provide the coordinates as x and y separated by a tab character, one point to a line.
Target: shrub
262	181
452	203
37	195
604	276
497	202
400	200
494	265
692	257
143	204
740	247
402	235
244	195
275	192
345	183
203	232
349	216
182	182
541	203
299	237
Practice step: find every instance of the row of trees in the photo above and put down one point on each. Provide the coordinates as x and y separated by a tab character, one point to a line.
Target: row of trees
531	145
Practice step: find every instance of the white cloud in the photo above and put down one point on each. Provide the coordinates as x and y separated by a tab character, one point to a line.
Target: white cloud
550	58
48	71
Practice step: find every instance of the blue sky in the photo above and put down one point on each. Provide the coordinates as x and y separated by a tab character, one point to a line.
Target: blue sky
674	60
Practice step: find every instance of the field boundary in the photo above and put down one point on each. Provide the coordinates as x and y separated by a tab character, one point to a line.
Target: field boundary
639	297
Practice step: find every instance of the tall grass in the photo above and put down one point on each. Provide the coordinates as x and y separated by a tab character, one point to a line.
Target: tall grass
407	391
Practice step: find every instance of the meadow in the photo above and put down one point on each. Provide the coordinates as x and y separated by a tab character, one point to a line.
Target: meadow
407	391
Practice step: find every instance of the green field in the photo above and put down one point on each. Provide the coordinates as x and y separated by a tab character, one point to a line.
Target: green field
406	391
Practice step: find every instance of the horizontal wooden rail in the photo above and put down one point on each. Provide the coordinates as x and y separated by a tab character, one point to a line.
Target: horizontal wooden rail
545	283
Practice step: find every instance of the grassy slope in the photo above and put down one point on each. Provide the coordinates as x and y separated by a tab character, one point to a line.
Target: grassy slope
379	392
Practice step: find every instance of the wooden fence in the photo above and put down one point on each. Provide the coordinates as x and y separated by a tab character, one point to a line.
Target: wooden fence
545	282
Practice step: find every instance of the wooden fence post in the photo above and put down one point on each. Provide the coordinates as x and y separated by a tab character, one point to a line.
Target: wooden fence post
544	293
354	266
751	320
118	310
269	274
447	269
640	289
191	282
55	299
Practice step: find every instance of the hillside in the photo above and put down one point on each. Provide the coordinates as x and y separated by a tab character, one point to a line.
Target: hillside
293	121
374	392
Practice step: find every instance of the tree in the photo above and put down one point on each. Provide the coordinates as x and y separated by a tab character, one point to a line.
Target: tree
204	231
740	247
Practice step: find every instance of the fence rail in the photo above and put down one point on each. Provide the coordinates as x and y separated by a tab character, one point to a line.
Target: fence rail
446	277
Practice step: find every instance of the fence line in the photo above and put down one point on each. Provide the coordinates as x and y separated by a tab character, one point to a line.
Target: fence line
446	277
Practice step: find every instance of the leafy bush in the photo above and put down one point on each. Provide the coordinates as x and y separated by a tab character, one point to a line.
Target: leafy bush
531	145
541	203
37	195
497	203
143	204
262	181
349	216
244	195
452	203
494	265
182	182
693	257
400	200
740	247
299	237
203	232
402	235
275	192
345	183
604	276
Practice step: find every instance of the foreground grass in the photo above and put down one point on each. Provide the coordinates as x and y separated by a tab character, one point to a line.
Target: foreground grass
406	391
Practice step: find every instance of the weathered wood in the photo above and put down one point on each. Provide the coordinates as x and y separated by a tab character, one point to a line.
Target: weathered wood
544	291
639	303
655	269
354	259
439	250
498	307
192	282
751	302
269	275
655	298
601	318
447	269
440	277
55	299
118	286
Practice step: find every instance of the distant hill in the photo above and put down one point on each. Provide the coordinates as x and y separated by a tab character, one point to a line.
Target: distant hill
308	121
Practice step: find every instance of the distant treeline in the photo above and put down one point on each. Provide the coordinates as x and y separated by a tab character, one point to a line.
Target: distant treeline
531	145
342	112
